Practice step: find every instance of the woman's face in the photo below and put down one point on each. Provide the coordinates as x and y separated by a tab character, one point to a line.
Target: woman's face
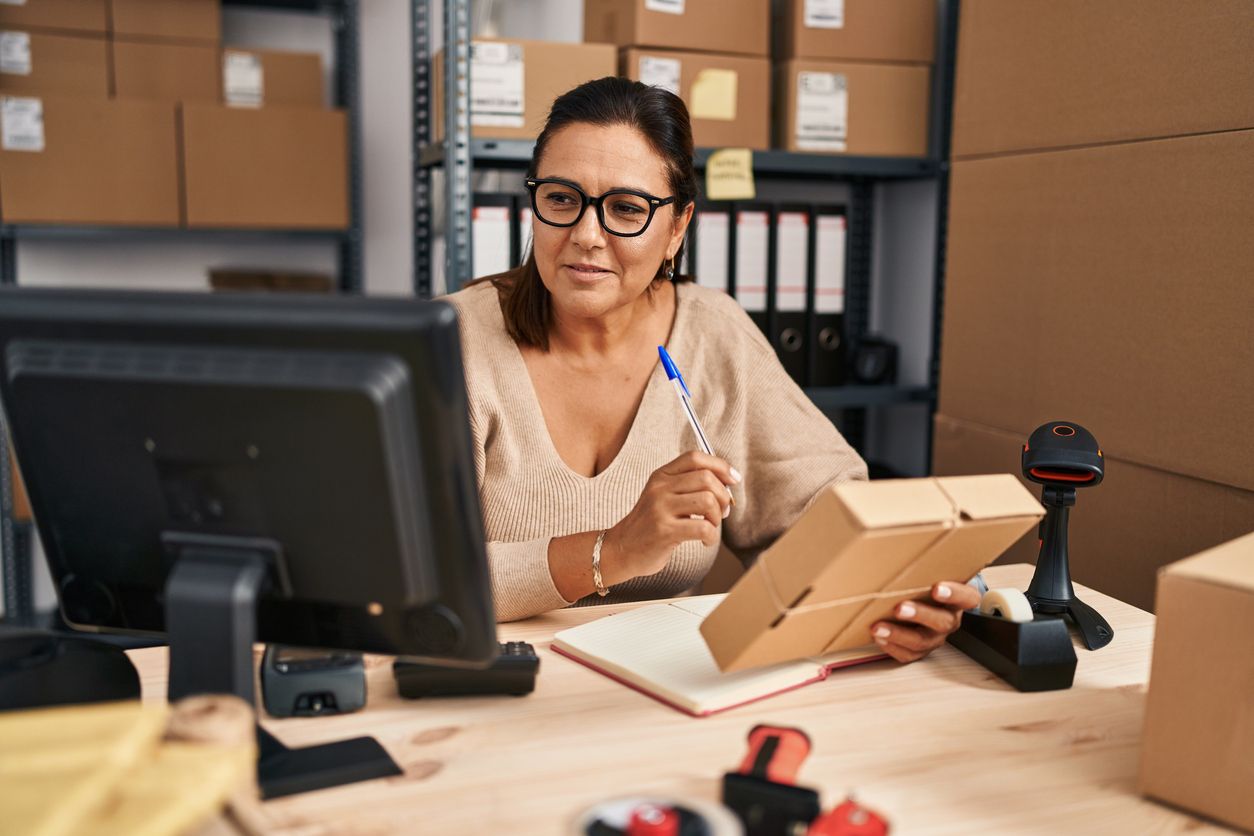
588	271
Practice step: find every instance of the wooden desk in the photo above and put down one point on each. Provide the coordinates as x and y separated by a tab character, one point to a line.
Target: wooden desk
940	746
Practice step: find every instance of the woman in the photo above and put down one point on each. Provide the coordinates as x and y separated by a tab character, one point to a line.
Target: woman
591	486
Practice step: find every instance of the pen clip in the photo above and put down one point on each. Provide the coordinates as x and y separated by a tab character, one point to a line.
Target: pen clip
672	372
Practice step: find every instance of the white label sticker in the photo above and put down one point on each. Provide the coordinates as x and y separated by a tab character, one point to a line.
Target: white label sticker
825	14
243	81
660	72
496	85
792	241
13	2
15	53
21	124
829	264
822	111
751	240
671	7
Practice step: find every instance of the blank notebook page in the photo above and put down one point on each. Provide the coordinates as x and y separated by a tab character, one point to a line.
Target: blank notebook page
660	649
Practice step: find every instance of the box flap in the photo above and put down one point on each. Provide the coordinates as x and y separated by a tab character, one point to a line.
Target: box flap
990	497
1229	564
892	503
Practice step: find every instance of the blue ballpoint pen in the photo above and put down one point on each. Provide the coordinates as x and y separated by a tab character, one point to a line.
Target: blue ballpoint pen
685	401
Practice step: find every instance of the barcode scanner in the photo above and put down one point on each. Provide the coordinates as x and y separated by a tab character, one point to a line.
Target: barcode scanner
1063	456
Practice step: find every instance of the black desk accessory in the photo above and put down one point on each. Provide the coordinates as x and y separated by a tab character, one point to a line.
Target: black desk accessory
873	360
294	470
763	793
300	682
1030	655
40	669
512	673
1063	456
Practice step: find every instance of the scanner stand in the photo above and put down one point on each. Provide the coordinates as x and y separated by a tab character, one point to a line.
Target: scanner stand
1051	592
211	620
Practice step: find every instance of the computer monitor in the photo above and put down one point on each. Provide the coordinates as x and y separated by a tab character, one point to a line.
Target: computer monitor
224	469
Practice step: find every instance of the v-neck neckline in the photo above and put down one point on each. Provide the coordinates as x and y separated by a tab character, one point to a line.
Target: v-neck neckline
656	378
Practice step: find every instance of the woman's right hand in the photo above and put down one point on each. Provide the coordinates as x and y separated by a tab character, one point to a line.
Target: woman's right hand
685	499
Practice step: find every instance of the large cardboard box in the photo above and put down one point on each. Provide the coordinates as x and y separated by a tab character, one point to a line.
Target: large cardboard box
514	83
42	63
264	77
90	161
274	167
1199	721
176	20
728	96
1121	531
1110	286
861	30
164	71
843	107
66	15
1036	74
859	550
738	26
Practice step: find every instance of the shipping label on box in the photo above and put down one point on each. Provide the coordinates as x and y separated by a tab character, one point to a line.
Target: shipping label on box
822	111
15	53
497	85
661	72
21	124
859	550
243	79
825	14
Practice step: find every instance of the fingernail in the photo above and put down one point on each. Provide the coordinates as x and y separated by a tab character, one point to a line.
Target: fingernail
726	512
943	592
736	475
882	633
906	610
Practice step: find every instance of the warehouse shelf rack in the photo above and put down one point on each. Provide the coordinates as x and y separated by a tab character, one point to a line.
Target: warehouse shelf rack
16	537
458	153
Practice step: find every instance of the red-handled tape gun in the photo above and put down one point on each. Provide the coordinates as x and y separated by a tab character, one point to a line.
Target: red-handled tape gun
762	793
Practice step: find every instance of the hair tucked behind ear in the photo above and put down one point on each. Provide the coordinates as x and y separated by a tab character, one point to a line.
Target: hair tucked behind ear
662	119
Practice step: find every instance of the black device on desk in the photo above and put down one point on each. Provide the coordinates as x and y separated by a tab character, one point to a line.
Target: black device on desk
304	682
513	672
237	468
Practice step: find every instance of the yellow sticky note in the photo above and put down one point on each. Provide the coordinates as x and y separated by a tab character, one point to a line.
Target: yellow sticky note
714	95
729	175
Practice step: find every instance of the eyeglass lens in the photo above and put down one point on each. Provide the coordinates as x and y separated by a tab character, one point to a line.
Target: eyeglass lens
624	213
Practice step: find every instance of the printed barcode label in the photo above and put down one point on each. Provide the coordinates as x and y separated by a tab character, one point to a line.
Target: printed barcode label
243	80
822	111
673	7
825	14
21	124
15	53
497	89
660	72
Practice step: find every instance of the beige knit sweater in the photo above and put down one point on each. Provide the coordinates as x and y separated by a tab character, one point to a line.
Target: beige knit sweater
753	414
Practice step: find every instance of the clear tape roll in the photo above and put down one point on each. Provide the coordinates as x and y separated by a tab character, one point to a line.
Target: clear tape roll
1010	604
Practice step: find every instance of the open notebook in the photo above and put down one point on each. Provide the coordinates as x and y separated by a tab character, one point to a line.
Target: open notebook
659	651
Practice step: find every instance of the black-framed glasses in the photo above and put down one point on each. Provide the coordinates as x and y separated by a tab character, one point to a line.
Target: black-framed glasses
622	212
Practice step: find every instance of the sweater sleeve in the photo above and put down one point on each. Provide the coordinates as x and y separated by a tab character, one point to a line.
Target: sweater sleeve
522	585
789	449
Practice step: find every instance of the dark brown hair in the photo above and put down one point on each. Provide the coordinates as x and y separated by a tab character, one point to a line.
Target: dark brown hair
663	120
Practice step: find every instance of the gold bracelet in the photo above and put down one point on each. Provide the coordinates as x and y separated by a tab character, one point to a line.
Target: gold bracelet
596	565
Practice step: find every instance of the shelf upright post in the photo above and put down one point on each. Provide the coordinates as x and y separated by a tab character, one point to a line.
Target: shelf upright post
420	35
457	161
15	569
348	96
858	254
942	126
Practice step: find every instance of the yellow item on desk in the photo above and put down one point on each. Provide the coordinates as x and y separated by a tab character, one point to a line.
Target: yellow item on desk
105	769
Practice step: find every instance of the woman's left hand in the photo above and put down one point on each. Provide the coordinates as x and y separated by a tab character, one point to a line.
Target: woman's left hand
918	628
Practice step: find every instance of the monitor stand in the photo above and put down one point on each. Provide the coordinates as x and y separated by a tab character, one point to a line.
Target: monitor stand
211	620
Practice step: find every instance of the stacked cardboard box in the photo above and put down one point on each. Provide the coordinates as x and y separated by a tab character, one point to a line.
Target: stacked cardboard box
1098	267
514	82
711	53
854	76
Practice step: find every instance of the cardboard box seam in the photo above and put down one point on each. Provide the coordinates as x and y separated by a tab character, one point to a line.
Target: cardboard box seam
1025	152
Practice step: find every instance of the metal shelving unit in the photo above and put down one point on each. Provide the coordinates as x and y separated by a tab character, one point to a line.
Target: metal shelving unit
458	153
15	537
